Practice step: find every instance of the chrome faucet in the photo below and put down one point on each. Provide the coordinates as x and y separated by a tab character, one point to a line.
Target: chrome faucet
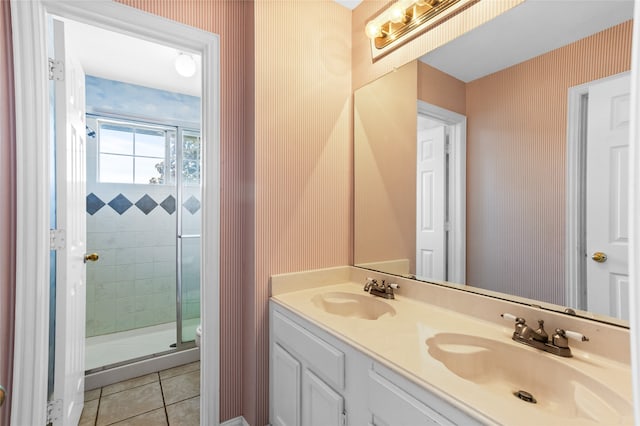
539	339
382	289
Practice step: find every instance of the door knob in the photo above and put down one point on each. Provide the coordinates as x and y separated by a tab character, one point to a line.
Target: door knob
599	257
3	394
93	257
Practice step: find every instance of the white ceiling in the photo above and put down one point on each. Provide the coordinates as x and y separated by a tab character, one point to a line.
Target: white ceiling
349	4
526	31
119	57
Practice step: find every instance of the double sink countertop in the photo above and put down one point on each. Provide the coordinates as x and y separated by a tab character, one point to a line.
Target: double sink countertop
455	345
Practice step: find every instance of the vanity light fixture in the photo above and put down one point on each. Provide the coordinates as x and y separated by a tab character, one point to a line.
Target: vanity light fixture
406	19
185	65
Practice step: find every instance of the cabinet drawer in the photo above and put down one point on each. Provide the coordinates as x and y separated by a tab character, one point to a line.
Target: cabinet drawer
325	360
390	405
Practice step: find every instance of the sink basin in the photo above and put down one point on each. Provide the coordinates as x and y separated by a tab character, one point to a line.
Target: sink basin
506	369
352	305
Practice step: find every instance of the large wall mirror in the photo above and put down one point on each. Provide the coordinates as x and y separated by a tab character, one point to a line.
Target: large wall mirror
498	162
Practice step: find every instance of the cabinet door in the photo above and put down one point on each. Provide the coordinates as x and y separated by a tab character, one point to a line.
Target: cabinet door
285	388
321	405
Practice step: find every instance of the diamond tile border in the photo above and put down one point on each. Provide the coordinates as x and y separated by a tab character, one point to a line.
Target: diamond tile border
192	204
120	203
146	204
94	203
169	204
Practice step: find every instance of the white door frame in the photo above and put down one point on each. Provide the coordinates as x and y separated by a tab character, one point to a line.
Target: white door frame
575	195
575	242
457	239
29	22
634	211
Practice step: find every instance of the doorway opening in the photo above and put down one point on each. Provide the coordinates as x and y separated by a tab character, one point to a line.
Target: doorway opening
33	123
440	194
597	269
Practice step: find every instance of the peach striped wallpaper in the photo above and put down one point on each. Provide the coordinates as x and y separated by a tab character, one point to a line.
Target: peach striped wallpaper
303	157
385	123
233	21
8	202
300	152
517	124
365	71
441	89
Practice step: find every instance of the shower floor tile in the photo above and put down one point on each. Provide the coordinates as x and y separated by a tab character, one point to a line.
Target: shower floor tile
143	400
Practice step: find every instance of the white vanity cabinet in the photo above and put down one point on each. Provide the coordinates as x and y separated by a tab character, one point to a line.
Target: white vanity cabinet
316	379
307	375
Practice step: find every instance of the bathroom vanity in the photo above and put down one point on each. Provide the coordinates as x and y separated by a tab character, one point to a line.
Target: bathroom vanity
431	355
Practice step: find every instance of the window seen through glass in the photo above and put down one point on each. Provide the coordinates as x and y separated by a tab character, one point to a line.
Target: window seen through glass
145	154
131	154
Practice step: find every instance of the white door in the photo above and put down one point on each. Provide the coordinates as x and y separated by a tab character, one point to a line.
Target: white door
430	204
321	405
71	219
607	186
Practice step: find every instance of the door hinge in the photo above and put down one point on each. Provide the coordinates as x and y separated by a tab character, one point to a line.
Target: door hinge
447	226
57	239
54	411
447	146
343	419
56	70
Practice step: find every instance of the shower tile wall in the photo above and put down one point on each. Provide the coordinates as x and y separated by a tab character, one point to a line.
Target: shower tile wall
133	226
133	283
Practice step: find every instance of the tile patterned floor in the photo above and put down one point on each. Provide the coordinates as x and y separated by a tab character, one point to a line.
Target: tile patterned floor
170	397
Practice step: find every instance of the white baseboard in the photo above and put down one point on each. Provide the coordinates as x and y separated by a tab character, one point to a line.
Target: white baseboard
238	421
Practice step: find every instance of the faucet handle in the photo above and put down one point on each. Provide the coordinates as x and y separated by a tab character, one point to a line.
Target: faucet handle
561	338
520	323
572	335
390	287
370	282
509	317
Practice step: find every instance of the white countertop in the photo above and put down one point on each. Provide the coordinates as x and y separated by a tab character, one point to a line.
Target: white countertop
399	342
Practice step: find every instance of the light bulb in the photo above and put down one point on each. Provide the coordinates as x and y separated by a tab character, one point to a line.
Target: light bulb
397	13
185	65
373	29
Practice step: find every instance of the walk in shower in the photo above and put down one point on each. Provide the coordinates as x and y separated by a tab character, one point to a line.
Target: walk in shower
143	214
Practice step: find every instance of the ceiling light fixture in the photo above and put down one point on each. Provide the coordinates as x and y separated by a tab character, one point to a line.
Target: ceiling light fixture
407	19
185	65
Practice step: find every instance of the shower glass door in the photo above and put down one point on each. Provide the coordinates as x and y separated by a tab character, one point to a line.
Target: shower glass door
189	219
